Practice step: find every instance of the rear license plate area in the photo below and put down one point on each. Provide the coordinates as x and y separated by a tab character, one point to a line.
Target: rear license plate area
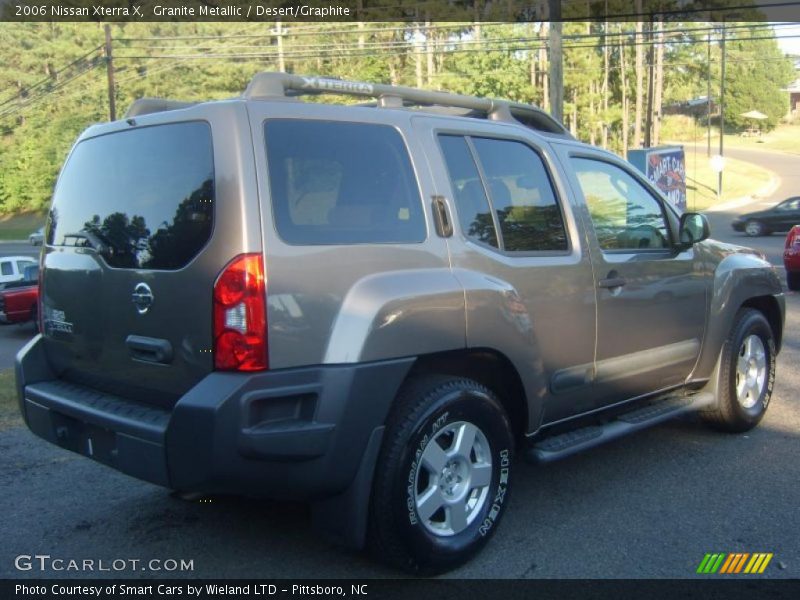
85	438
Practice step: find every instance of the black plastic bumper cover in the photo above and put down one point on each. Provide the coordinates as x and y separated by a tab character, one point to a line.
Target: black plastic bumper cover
222	436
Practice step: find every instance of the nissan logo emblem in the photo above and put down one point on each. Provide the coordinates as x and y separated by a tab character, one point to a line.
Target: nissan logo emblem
142	298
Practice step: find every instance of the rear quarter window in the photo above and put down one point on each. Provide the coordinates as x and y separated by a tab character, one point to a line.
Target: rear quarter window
143	198
342	183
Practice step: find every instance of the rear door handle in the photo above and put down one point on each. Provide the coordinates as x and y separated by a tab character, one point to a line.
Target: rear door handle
149	349
612	282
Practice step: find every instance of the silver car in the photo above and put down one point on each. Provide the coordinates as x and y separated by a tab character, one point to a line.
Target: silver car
37	237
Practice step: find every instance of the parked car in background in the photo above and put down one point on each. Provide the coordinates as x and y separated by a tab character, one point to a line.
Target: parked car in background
781	217
37	237
19	299
791	258
12	268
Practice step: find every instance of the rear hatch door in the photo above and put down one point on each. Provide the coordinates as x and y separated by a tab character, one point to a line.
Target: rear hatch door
129	261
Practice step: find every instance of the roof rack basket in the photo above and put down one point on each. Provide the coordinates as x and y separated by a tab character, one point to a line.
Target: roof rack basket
276	85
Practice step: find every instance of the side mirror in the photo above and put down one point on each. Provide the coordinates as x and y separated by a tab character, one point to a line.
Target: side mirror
693	229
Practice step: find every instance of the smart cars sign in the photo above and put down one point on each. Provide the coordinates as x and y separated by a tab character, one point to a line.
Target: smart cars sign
665	167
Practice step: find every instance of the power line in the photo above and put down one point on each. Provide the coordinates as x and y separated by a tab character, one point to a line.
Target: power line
295	49
353	50
445	42
291	31
31	101
26	90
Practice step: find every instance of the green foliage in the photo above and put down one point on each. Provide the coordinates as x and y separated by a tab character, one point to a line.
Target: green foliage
754	79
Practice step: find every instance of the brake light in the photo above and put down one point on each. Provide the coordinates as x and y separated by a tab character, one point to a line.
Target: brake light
793	239
240	315
39	304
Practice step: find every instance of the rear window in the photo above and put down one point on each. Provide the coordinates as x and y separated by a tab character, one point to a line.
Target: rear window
342	183
143	198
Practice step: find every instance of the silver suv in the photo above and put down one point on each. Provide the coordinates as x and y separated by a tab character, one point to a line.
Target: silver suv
372	308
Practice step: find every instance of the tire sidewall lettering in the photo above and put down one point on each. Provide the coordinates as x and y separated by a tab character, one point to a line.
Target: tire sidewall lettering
437	424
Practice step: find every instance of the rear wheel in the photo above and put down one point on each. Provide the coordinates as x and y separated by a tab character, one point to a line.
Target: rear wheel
793	280
442	479
755	228
745	374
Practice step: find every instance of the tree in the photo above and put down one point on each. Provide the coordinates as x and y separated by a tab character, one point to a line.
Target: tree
757	72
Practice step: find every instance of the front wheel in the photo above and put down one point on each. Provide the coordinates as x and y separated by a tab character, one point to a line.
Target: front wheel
755	228
442	479
745	374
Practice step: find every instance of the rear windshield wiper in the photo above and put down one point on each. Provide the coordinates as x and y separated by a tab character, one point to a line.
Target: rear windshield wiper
92	241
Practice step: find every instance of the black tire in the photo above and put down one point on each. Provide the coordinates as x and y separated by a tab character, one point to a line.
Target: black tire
728	413
35	318
755	228
424	412
793	280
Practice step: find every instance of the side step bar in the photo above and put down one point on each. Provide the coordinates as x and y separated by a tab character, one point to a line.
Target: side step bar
566	444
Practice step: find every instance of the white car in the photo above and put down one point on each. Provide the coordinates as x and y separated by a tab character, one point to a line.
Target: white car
37	237
13	267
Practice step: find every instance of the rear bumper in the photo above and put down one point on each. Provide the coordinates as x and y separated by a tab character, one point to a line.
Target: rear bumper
292	434
791	259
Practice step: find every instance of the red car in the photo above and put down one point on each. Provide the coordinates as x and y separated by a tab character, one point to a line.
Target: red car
19	299
791	258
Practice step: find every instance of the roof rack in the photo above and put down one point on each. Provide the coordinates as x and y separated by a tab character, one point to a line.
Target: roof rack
145	106
282	85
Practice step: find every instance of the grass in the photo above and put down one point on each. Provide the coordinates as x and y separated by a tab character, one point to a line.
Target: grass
19	227
785	138
739	179
9	409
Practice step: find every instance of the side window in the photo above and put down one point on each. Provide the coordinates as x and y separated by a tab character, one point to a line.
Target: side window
21	264
342	183
625	215
474	213
6	268
522	196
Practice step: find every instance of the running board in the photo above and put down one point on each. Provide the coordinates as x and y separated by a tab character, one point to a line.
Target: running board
566	444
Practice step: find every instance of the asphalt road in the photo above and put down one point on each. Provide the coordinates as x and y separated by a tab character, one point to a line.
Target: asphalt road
787	167
649	505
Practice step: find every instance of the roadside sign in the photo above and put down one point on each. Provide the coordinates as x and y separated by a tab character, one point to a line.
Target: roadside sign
665	167
717	163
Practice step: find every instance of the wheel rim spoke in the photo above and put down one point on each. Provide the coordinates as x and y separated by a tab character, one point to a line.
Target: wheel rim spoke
429	502
481	475
741	365
465	439
457	516
434	458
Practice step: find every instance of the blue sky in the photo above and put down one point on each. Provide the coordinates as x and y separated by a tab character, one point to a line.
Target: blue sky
790	45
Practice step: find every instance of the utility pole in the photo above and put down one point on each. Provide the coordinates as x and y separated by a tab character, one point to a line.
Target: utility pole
708	97
556	62
721	105
651	75
281	59
112	105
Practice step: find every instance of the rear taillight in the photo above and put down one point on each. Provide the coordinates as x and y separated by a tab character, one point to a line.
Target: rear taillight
240	315
39	311
793	239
